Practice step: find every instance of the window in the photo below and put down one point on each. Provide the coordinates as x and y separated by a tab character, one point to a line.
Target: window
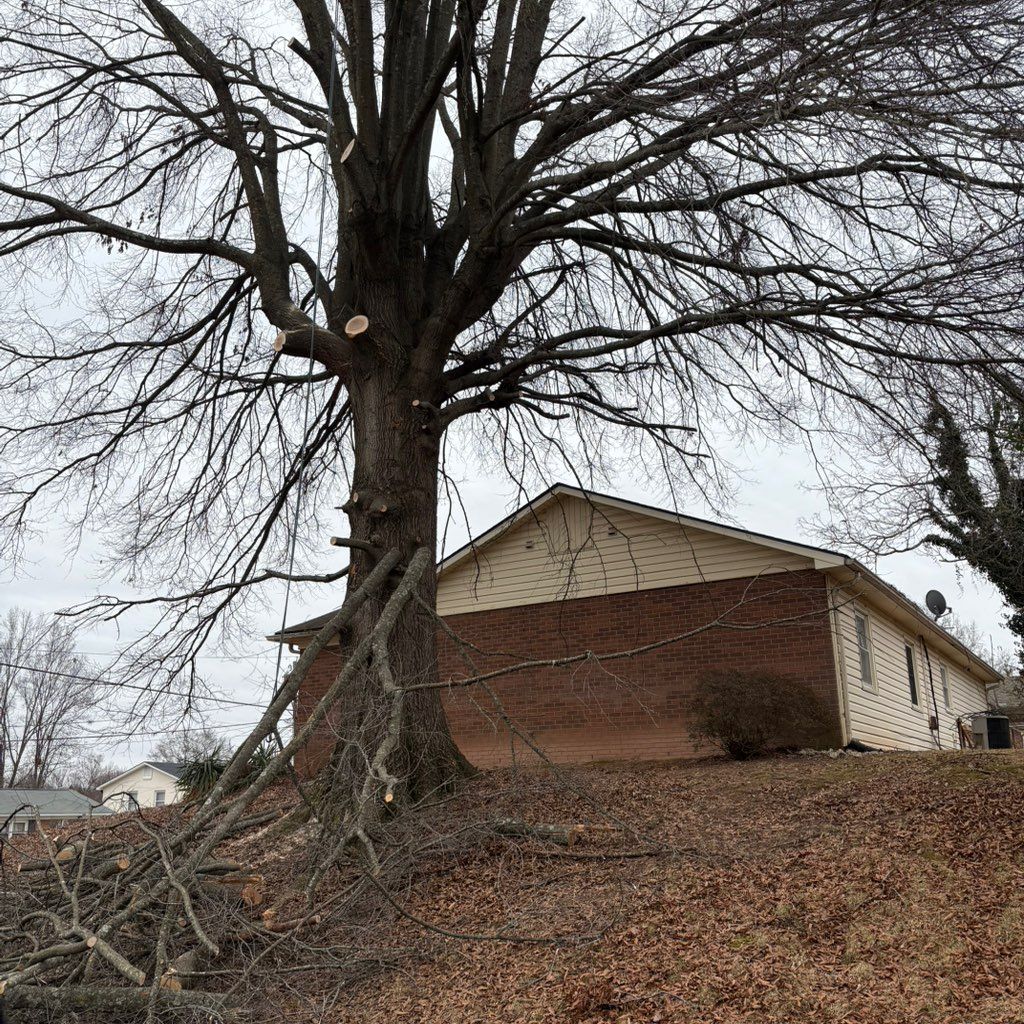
133	799
911	673
867	677
147	772
944	679
158	797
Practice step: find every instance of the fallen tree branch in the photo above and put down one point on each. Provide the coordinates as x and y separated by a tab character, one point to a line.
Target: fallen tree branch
110	999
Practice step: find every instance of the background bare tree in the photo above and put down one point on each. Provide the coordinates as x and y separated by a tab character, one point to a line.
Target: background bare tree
44	694
88	771
572	230
192	744
956	487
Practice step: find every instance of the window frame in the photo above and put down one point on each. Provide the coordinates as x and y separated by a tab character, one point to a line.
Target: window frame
867	651
947	693
910	656
160	798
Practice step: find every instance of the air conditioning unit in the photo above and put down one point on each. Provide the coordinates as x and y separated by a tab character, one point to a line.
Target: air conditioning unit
991	732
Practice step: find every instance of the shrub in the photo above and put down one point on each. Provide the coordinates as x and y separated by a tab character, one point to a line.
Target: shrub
198	777
749	713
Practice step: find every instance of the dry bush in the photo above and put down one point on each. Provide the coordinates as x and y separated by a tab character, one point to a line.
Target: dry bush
749	713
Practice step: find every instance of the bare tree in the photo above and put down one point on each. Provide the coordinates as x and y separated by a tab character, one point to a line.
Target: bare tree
956	487
87	772
542	231
973	637
45	690
192	745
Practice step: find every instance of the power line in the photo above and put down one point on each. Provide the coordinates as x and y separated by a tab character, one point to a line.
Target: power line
132	686
128	736
113	654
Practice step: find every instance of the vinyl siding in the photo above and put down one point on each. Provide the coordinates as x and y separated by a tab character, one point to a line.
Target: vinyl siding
566	551
135	781
884	716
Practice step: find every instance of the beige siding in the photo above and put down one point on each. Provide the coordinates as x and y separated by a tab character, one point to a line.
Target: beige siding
571	549
144	781
882	715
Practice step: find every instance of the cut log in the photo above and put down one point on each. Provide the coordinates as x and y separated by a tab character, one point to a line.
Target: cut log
283	927
104	868
110	1001
252	894
219	867
563	835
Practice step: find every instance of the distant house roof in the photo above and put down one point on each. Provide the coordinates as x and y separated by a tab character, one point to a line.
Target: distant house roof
171	768
837	564
48	803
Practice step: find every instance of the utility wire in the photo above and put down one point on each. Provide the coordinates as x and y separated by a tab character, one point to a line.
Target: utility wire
116	684
127	737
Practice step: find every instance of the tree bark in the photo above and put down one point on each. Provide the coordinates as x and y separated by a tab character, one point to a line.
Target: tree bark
394	506
58	1000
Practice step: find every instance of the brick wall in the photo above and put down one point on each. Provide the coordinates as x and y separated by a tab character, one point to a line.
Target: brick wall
626	709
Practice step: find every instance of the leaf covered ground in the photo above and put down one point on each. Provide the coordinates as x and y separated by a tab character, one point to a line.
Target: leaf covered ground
874	889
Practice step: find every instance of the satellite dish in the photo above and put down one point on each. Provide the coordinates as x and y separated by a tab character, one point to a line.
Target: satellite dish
936	603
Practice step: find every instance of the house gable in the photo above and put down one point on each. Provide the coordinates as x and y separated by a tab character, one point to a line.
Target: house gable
570	544
167	770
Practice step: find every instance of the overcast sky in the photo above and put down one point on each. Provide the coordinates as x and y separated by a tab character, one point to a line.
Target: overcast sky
775	495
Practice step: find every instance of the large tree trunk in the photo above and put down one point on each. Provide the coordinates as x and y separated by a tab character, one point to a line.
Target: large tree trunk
394	505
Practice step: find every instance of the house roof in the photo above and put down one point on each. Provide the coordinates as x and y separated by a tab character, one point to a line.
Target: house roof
48	803
169	768
839	565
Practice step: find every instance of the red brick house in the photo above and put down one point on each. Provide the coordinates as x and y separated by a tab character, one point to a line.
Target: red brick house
573	571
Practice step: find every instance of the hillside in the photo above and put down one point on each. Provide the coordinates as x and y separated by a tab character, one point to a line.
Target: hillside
876	889
863	889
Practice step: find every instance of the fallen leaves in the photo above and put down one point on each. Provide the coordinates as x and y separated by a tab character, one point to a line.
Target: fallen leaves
867	891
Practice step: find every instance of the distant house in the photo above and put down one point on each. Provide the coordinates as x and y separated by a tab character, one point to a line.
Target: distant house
148	784
22	809
573	572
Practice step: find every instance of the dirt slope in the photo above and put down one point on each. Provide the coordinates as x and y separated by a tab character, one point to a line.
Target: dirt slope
876	889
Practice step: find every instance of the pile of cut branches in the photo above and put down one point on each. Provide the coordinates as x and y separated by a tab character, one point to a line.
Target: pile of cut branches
101	922
142	917
105	922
